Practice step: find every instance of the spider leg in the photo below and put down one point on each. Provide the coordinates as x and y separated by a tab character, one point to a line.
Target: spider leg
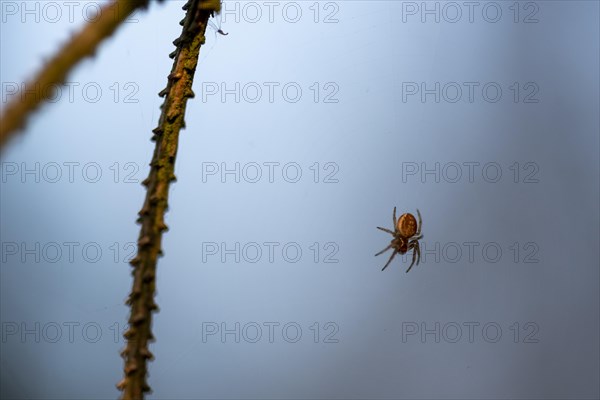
418	251
384	250
213	25
413	259
390	260
394	218
385	230
420	222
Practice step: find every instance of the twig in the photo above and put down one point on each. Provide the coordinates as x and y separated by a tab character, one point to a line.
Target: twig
55	71
151	216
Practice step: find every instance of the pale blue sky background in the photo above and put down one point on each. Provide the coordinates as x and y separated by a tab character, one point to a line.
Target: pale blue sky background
373	53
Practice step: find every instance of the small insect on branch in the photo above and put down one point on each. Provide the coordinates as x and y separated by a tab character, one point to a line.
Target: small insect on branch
216	28
217	16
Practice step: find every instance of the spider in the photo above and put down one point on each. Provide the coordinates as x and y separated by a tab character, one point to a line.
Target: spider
406	236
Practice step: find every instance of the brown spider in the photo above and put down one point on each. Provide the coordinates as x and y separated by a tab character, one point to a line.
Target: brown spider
406	236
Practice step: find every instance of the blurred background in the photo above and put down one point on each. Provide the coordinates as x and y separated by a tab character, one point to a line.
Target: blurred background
312	121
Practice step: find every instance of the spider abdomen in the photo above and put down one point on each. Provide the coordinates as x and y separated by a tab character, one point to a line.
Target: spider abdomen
407	225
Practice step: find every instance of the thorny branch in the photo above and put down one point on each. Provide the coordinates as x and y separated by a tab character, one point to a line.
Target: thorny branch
55	71
151	216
